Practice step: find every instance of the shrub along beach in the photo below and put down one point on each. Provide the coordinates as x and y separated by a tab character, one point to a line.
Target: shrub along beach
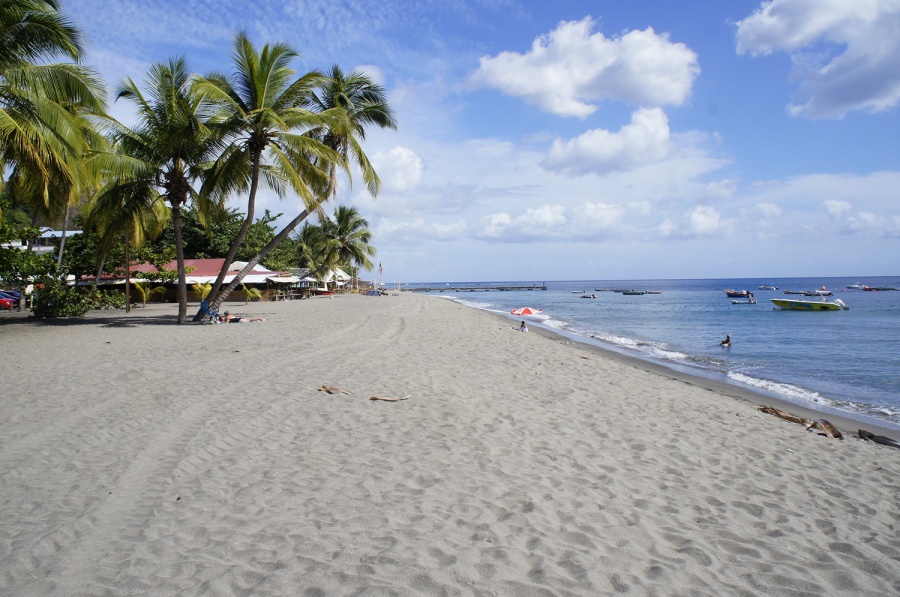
142	457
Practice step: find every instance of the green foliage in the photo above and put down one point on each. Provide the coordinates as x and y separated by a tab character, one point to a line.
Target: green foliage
202	289
199	242
53	298
143	288
18	266
251	293
108	299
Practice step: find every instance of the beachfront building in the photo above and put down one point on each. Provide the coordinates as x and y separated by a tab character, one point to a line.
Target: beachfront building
205	271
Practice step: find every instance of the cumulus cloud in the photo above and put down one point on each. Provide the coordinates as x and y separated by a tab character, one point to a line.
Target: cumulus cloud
837	208
399	168
570	70
704	220
645	140
598	215
844	52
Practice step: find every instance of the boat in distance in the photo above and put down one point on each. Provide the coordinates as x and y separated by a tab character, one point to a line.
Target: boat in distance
737	293
800	305
766	287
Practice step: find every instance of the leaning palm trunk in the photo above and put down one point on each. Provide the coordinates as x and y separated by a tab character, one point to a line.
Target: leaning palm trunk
218	300
236	244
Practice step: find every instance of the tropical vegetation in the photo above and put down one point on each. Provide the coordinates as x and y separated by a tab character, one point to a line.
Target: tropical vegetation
160	186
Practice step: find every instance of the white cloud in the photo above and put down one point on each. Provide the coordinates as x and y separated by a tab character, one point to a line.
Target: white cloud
645	140
720	190
399	168
844	52
451	231
570	70
598	215
837	208
704	219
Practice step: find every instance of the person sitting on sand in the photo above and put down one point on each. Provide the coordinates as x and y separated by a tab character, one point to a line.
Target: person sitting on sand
726	342
229	318
522	327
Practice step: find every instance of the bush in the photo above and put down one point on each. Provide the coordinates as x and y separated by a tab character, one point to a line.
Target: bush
53	298
108	299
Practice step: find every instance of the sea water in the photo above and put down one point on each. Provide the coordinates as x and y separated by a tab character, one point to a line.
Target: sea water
846	361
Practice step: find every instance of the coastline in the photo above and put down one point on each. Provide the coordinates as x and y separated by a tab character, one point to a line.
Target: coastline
846	423
149	458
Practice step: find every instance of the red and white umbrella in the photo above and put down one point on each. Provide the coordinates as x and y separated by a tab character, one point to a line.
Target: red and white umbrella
525	311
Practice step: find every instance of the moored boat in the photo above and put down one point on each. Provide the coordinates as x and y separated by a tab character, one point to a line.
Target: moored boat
736	293
801	305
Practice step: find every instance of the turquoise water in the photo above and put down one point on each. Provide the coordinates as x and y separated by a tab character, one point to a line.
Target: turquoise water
847	361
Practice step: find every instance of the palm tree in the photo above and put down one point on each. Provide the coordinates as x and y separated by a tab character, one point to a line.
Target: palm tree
159	157
347	239
366	105
363	104
261	114
44	134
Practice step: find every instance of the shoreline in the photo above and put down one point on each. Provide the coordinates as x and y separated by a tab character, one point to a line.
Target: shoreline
148	458
844	421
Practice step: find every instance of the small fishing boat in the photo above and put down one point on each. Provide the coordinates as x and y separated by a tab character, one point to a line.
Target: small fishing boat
736	293
801	305
588	296
633	292
856	286
750	301
766	287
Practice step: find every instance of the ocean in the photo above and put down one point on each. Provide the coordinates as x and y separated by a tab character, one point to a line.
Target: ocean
830	361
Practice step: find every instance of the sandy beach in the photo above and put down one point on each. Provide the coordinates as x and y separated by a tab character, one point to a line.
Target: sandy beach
138	457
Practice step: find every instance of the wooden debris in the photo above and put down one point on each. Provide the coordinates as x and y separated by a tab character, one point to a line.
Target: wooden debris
824	426
770	410
878	439
333	390
389	398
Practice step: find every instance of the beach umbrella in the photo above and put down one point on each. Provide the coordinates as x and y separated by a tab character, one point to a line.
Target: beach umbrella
525	311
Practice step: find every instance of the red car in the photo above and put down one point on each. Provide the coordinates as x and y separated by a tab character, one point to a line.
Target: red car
6	303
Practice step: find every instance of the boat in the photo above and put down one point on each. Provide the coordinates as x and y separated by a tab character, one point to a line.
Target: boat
323	292
736	293
633	292
766	287
750	301
801	305
857	286
588	296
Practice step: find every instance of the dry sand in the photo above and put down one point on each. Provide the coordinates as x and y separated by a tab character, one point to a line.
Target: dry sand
142	458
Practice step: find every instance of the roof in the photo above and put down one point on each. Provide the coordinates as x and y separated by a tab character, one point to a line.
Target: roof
207	270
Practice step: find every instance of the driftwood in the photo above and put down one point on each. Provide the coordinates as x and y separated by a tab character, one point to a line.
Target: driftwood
332	390
390	399
878	439
826	427
783	415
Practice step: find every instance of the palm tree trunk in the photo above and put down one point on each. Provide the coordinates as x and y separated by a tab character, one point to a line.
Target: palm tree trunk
179	259
214	305
62	242
127	270
236	244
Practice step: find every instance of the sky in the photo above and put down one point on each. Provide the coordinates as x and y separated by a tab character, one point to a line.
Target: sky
585	140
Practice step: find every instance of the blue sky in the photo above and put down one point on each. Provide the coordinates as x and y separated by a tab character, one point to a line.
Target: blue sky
588	140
